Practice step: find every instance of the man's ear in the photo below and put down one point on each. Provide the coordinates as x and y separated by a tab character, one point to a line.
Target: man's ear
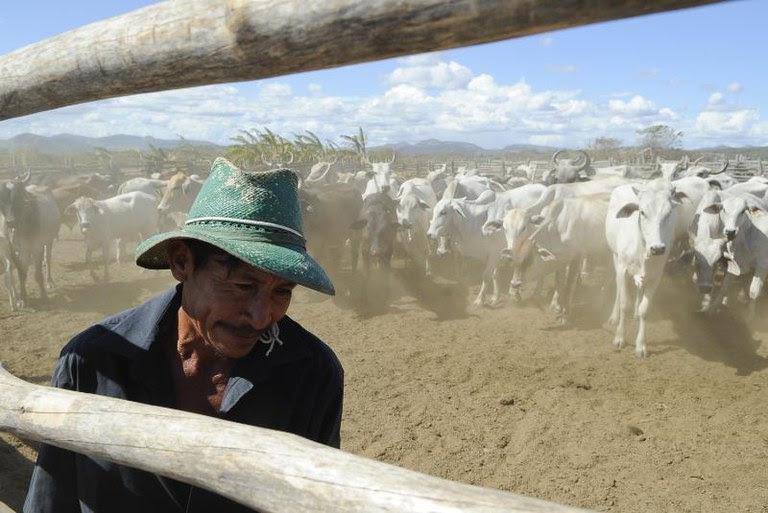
180	260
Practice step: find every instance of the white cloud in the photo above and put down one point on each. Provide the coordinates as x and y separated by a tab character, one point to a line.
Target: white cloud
724	122
565	68
735	87
423	97
440	75
635	107
546	41
276	89
715	98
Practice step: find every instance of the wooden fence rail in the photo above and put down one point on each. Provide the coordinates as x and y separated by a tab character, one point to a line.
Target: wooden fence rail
270	471
186	43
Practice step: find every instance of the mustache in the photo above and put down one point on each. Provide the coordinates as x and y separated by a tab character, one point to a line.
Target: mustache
242	331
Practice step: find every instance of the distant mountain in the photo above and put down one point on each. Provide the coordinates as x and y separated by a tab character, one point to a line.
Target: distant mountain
529	148
430	147
68	143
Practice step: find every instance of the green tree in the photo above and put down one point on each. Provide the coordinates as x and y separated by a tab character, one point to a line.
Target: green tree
659	137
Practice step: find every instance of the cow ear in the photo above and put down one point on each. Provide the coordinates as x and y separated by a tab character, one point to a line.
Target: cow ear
357	225
459	209
694	228
70	210
714	208
537	219
754	209
493	226
627	210
678	196
714	184
545	254
423	205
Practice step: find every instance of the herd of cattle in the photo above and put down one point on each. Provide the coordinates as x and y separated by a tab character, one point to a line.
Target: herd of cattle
564	222
574	218
106	214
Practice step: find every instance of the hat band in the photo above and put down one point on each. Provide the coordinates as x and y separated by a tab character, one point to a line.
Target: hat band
279	235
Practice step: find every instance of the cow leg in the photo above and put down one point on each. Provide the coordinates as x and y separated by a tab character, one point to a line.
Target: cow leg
479	299
558	297
755	288
646	294
572	277
119	246
720	294
40	274
105	259
613	320
622	306
8	279
47	258
495	279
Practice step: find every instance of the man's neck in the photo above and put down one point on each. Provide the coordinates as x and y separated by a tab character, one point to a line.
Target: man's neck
200	373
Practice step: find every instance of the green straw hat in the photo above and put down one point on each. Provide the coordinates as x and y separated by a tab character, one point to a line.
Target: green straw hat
254	216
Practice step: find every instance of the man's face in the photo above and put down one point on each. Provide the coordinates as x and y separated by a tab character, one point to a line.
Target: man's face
229	306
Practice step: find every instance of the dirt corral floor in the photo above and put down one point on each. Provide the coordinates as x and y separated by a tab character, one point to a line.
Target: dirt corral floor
501	397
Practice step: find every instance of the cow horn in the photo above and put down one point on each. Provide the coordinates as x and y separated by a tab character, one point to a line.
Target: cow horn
24	178
554	157
263	159
291	159
697	161
392	160
335	158
725	166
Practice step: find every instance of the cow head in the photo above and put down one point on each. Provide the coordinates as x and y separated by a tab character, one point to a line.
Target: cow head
89	213
17	205
655	208
443	223
378	225
567	170
735	212
706	233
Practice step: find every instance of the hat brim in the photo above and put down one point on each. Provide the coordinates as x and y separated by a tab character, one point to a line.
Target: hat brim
290	264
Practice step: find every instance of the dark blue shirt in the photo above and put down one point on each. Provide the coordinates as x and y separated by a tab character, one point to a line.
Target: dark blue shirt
297	388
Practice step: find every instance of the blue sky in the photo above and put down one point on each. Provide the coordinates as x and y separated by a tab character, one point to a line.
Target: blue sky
701	70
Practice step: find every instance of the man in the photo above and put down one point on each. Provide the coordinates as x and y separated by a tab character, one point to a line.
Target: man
218	344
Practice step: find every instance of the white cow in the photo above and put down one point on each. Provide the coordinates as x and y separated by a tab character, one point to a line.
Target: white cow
438	179
470	187
416	198
745	225
146	185
529	169
639	229
125	216
381	180
570	231
521	197
462	221
708	244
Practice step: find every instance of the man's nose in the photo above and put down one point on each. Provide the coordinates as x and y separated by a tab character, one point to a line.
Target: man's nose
258	310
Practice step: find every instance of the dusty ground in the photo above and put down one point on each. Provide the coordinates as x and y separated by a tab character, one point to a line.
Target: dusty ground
499	397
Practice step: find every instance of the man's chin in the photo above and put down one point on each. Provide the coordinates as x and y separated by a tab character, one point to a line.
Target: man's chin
233	346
